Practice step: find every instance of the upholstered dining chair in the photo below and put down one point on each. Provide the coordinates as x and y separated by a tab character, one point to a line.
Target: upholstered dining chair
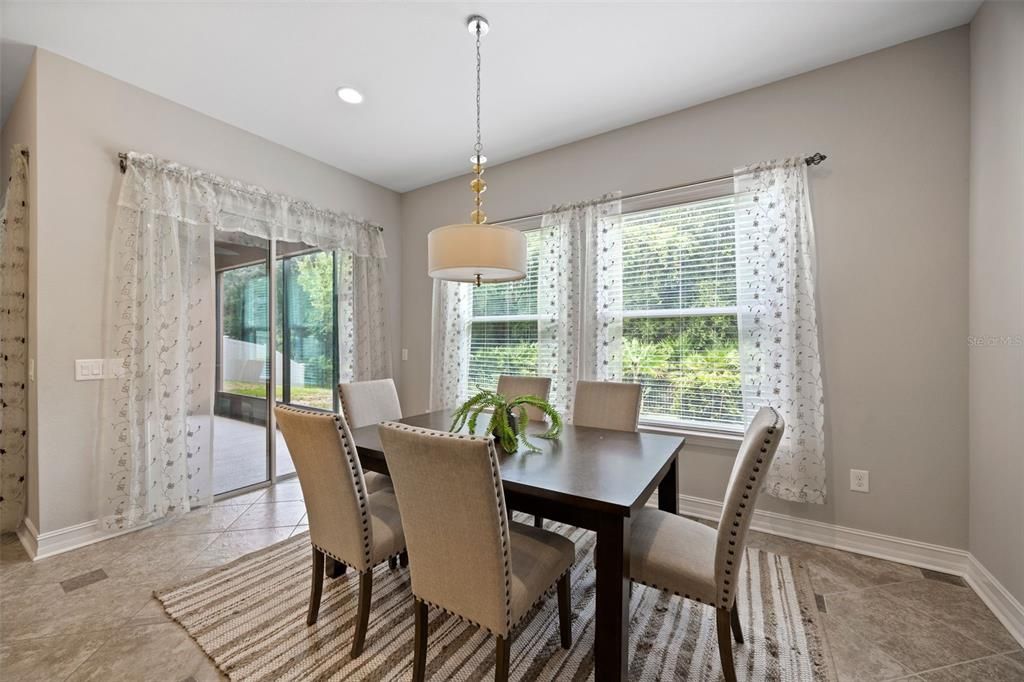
697	562
513	387
607	405
347	523
465	556
370	402
604	405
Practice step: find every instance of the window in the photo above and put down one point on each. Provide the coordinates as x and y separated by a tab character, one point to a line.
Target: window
306	343
679	312
503	326
679	315
306	329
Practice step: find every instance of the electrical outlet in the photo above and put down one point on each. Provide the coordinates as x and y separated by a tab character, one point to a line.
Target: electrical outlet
859	481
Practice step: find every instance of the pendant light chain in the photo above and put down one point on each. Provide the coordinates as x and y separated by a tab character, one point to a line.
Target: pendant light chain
478	185
478	147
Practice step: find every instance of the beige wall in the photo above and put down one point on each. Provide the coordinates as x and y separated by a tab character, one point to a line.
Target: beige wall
997	292
20	128
85	119
890	206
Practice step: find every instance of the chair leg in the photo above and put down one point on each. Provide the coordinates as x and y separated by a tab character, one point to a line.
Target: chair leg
538	522
318	587
737	631
419	658
565	611
363	617
403	559
393	563
502	656
725	645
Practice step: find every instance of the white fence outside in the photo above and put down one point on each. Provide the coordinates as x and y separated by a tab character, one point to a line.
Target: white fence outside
247	362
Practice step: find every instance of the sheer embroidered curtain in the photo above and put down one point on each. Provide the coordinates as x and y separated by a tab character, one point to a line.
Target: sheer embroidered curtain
13	343
778	331
155	435
579	296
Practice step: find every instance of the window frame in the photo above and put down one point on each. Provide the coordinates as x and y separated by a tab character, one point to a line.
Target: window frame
707	434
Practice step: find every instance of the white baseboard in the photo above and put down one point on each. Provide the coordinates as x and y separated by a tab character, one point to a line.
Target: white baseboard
889	547
1004	605
43	545
959	562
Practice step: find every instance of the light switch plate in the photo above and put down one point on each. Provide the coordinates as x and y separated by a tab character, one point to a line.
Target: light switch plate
88	370
405	354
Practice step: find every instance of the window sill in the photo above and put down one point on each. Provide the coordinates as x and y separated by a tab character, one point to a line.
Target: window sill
704	438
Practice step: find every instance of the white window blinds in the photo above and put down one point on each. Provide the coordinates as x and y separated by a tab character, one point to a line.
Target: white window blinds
503	326
679	312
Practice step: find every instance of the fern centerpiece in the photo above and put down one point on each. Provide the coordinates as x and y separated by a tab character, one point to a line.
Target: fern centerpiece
509	418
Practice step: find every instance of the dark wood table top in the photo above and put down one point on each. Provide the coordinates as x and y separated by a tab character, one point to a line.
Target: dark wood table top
610	471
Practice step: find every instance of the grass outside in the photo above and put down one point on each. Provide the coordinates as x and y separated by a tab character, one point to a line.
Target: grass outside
309	396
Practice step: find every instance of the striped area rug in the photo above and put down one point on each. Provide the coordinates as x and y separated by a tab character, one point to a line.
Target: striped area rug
250	618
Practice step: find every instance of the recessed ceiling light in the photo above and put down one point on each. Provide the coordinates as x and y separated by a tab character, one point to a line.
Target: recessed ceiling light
349	95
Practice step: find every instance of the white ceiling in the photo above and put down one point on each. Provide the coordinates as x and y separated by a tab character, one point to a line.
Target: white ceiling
553	72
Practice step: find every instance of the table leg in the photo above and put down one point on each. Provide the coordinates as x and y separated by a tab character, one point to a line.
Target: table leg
668	490
611	653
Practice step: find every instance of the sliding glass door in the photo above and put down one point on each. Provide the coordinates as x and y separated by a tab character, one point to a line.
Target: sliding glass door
301	371
241	456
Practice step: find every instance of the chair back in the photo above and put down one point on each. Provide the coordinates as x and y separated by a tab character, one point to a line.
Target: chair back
456	525
752	462
512	387
369	402
607	405
332	483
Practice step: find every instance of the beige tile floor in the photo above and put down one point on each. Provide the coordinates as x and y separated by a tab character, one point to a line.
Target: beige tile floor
89	614
240	455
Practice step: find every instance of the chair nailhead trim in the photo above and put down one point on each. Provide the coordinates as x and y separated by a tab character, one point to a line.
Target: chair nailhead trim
753	478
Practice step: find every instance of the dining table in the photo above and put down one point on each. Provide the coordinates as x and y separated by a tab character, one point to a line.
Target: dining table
588	477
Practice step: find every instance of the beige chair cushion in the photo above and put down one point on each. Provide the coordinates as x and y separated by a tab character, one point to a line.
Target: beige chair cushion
607	405
514	387
370	402
673	553
464	555
345	521
539	558
375	482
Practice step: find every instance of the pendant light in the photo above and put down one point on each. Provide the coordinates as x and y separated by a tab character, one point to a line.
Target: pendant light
477	252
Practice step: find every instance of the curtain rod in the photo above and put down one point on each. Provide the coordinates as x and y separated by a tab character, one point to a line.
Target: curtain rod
812	160
122	161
